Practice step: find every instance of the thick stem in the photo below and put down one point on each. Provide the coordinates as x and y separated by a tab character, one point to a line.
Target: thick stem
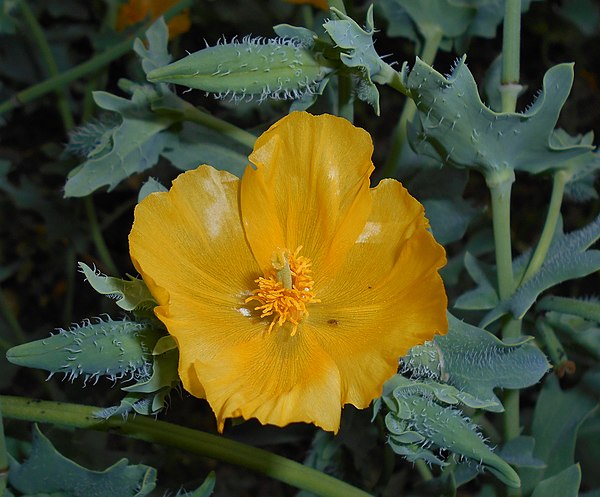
240	135
558	190
430	48
500	184
198	442
91	66
511	53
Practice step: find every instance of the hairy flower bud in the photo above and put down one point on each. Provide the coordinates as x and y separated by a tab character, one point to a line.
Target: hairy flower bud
278	68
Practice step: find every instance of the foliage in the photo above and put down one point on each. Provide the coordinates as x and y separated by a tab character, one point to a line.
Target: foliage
94	120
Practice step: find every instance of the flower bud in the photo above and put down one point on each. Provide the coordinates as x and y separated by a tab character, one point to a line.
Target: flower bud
279	68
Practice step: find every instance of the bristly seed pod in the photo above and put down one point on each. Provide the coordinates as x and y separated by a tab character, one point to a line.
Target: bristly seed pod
116	349
277	68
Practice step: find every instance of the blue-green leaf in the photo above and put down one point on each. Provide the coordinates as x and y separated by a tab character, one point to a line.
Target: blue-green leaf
47	472
129	294
484	296
519	452
150	186
456	127
567	259
157	53
556	420
564	484
476	362
135	143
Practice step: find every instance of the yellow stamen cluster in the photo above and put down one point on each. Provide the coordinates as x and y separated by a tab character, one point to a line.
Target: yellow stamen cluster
285	292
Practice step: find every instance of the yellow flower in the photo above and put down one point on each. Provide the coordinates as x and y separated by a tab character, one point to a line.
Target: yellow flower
136	11
294	290
320	4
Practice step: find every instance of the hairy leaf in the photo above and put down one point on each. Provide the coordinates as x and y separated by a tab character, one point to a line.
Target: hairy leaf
476	362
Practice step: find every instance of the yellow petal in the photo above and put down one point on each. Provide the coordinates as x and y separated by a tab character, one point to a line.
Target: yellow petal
310	188
386	298
276	378
189	246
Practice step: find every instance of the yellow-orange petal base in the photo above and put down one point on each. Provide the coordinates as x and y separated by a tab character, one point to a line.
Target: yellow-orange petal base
136	11
295	290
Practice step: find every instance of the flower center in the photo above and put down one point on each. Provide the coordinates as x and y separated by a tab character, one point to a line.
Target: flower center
286	290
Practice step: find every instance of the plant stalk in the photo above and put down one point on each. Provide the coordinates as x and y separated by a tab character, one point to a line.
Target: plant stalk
3	456
430	49
37	33
198	442
97	237
63	79
558	190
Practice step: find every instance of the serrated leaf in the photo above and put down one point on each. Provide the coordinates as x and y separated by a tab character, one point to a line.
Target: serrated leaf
46	471
359	53
157	53
476	362
567	259
164	374
564	484
115	349
556	420
129	294
136	143
455	126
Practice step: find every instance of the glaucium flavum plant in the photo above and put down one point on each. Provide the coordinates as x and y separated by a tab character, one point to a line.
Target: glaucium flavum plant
293	290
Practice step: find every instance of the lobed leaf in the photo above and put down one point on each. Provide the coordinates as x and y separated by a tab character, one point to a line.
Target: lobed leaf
129	294
456	127
476	362
47	472
567	258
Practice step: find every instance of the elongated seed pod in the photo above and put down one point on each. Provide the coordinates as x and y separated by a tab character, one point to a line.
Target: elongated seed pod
279	68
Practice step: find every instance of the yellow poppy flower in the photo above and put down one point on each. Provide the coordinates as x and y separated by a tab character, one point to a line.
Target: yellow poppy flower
296	289
136	11
320	4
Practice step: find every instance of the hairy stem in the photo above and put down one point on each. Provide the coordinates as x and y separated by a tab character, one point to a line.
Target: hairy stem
430	48
92	65
198	442
240	135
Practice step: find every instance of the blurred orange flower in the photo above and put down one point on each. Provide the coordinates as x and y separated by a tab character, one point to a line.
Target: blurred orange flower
296	289
320	4
136	11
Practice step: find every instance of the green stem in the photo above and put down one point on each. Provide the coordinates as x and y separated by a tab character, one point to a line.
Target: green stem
345	98
500	184
3	456
511	53
97	237
11	319
198	442
92	65
431	46
558	190
37	33
240	135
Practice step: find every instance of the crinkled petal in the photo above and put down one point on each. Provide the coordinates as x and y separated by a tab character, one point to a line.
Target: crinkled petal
276	378
310	188
189	246
386	298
